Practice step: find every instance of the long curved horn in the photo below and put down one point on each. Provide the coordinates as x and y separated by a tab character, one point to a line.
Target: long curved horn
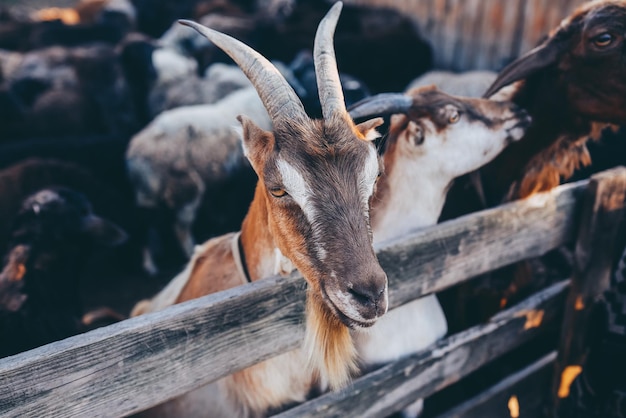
280	100
531	62
381	105
328	84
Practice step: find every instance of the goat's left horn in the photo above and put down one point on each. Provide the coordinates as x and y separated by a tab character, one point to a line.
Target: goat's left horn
280	100
381	105
328	84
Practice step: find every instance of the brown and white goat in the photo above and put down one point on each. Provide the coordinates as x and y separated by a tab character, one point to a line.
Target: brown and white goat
433	138
310	211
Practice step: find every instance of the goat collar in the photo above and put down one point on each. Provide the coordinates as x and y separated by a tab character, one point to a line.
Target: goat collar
238	255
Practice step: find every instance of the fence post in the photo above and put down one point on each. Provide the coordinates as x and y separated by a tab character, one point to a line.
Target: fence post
602	212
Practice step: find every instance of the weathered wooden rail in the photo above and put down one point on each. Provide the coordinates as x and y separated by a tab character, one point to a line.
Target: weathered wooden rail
135	364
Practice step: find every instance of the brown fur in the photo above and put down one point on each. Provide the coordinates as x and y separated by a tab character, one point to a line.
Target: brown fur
213	270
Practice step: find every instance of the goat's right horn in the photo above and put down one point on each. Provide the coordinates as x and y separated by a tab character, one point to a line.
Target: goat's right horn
328	83
280	100
381	105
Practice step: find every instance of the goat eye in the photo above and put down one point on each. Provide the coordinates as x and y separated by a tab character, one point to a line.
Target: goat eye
603	40
278	192
454	117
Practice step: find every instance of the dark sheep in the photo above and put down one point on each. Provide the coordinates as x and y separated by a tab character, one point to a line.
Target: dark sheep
53	234
26	177
98	89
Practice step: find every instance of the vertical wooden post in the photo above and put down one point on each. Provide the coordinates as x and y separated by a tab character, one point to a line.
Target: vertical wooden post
602	213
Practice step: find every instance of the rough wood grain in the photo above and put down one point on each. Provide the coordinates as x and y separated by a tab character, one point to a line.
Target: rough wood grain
530	386
140	362
396	385
137	363
603	212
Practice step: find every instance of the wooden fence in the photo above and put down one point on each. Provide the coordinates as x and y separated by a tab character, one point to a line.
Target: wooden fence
135	364
480	34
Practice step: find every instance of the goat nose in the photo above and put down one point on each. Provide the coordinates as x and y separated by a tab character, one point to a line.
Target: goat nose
371	293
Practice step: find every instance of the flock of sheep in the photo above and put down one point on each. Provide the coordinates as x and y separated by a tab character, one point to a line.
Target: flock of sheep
142	122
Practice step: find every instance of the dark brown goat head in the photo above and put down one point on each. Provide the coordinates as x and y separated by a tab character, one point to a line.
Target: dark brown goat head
586	57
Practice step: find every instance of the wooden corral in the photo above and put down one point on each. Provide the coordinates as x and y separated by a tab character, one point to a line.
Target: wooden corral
135	364
480	34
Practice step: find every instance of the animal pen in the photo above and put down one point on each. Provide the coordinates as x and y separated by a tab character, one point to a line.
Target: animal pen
137	363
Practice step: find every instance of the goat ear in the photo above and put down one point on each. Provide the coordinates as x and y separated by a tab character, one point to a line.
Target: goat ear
533	61
256	142
104	232
368	130
414	133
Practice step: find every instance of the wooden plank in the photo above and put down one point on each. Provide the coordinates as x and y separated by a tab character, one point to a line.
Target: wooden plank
436	258
603	212
530	386
131	365
140	362
398	384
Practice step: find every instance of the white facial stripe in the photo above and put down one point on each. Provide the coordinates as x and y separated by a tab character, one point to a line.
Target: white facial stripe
300	192
297	188
369	175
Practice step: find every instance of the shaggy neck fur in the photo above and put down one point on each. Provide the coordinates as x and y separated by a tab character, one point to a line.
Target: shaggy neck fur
552	149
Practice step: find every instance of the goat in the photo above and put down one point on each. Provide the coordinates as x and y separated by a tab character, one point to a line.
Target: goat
433	139
315	179
573	87
53	234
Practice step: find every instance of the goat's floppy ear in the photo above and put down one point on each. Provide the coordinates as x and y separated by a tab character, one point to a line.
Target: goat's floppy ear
533	61
256	142
368	130
104	232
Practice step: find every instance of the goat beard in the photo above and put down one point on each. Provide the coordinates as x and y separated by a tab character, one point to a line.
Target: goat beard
328	345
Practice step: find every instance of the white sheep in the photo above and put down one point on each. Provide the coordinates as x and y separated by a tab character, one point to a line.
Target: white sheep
186	150
178	83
